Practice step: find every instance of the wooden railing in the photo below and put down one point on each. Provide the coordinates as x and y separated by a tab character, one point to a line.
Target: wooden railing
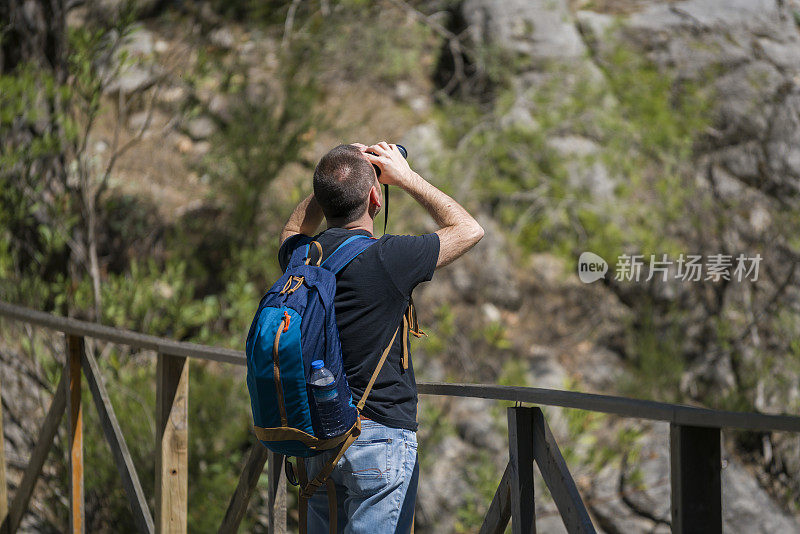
694	443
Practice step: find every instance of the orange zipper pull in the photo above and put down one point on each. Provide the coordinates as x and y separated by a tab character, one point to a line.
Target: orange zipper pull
286	319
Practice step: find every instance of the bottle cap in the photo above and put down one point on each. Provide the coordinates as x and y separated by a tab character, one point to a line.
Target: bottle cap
317	364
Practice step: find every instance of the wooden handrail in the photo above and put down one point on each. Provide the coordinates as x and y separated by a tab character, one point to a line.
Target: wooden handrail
77	327
623	406
694	442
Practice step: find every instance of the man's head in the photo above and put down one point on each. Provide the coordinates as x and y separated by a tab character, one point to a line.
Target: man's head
343	185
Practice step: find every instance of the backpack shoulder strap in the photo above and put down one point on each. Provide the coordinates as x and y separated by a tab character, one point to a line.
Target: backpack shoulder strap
300	253
375	373
347	252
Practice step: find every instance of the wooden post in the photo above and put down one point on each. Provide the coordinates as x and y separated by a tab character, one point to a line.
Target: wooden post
248	479
75	348
499	512
119	449
696	479
277	494
520	463
558	478
172	443
3	484
39	454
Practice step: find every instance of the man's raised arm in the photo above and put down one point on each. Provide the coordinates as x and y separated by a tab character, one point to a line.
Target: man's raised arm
305	219
458	232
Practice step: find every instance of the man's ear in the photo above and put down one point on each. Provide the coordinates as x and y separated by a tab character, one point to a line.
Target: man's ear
374	197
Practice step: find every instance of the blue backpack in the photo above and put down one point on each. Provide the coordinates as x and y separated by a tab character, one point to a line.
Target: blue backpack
295	324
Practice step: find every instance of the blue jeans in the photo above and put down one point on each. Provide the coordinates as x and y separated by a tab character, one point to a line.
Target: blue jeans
376	483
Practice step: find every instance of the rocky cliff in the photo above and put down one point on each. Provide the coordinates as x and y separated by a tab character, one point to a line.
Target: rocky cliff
743	57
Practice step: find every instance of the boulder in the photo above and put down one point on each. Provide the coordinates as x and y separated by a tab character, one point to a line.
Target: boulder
222	37
137	72
538	30
496	281
140	44
746	507
749	52
201	127
441	495
133	79
584	170
424	144
476	425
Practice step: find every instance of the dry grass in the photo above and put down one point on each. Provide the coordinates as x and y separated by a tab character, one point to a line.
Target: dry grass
160	166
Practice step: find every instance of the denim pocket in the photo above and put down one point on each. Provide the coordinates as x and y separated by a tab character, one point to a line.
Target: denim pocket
373	441
366	466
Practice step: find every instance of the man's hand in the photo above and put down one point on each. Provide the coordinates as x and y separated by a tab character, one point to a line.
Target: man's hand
458	230
305	219
394	167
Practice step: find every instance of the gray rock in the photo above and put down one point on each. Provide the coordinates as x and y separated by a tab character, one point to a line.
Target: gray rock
746	507
133	79
708	372
519	115
749	50
782	55
148	123
110	10
219	105
743	161
595	27
424	144
439	497
783	145
429	369
757	15
138	72
745	110
550	270
746	54
477	426
614	512
139	44
493	281
583	170
539	29
601	369
760	218
173	94
222	37
201	127
544	370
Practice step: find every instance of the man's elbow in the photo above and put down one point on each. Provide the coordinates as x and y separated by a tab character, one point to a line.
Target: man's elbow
476	232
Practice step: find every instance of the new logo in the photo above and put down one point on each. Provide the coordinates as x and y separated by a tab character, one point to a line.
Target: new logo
591	267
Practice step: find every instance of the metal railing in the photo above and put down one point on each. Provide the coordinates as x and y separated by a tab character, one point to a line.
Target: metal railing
695	442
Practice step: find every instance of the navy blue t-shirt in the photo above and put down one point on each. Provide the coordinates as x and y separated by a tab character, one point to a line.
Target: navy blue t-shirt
372	294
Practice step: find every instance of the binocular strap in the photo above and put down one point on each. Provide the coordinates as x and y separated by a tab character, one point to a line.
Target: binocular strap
386	206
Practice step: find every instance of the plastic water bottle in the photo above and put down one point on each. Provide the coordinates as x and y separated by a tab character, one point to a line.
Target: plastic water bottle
326	398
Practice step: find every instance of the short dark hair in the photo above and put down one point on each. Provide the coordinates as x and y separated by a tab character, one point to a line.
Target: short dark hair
342	181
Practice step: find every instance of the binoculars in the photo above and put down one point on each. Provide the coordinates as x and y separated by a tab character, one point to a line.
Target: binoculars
402	150
404	153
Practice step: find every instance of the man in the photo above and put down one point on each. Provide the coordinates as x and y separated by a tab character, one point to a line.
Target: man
376	480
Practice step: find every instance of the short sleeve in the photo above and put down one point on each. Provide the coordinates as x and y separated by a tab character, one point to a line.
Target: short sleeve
410	259
287	247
